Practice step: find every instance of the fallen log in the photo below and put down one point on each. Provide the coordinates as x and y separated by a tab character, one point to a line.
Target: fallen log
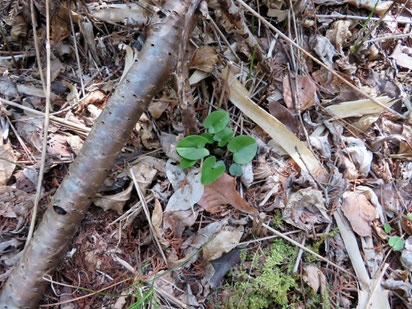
25	286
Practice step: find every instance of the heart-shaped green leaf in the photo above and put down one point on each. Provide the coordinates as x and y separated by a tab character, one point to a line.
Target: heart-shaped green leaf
184	163
235	170
396	243
209	137
244	149
216	121
223	136
192	147
211	170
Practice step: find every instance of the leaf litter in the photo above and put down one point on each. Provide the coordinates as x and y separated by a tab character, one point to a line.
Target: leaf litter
338	153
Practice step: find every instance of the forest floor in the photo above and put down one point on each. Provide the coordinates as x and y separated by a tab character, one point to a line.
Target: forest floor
331	179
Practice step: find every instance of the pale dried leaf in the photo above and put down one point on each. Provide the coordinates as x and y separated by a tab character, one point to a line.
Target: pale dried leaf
403	56
15	204
323	48
187	196
174	173
7	163
359	211
314	278
130	13
223	242
221	192
145	170
359	107
306	95
115	202
360	155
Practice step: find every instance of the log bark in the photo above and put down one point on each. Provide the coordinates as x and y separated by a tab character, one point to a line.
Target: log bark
146	77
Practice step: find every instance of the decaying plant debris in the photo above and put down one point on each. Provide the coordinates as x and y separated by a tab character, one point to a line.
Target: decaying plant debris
331	181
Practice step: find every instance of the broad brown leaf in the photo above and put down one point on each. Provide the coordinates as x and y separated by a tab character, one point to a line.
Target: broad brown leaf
223	191
306	95
359	211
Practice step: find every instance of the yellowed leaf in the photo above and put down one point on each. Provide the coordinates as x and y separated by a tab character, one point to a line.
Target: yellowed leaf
223	191
114	202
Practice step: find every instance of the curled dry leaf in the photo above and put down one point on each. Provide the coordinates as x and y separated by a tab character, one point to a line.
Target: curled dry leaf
187	196
176	221
7	164
305	208
223	242
315	278
145	169
115	202
223	191
323	48
360	155
359	211
305	96
204	59
339	33
157	218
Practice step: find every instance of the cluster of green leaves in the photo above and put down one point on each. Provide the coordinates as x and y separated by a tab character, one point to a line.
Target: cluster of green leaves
193	148
395	242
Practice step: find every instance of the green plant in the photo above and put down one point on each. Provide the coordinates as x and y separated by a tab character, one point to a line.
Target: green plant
397	243
193	148
263	278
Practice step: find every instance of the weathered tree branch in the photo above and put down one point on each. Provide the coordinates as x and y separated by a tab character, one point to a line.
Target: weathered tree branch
145	78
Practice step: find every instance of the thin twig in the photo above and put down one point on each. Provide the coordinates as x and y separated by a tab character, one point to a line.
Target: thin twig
147	213
45	131
84	130
283	36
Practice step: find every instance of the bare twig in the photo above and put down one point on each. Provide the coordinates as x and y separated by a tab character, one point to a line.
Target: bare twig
45	130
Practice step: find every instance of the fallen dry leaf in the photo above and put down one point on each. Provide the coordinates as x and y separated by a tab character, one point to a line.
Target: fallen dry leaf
315	278
305	208
115	202
204	59
306	95
15	204
339	33
157	218
359	211
223	191
223	242
7	164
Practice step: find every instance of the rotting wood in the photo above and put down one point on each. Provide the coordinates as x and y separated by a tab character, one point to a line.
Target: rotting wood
68	206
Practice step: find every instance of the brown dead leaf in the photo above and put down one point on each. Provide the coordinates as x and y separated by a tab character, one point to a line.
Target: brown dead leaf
204	59
114	202
7	164
156	108
223	191
306	95
359	211
157	218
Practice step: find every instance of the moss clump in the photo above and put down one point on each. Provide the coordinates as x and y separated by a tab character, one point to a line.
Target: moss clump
262	278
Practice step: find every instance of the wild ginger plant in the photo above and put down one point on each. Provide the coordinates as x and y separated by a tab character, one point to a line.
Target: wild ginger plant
194	148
